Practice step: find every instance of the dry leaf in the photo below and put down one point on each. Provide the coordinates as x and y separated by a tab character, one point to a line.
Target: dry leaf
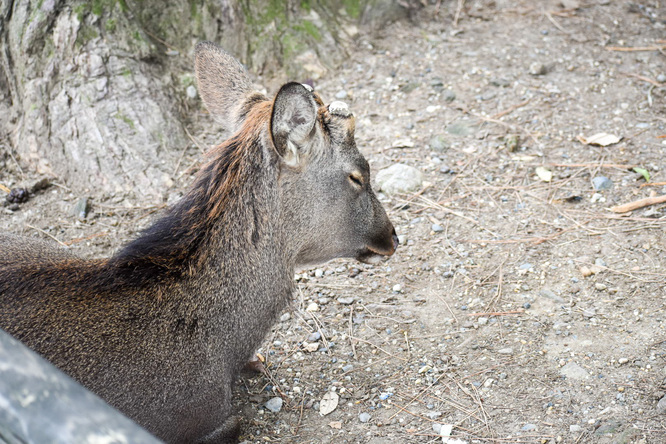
335	424
328	403
544	174
601	139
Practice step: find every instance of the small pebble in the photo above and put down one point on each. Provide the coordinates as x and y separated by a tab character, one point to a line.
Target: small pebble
314	337
364	417
622	361
346	301
433	415
482	321
437	228
449	95
312	307
319	272
274	404
528	427
397	288
505	351
575	428
599	286
340	95
602	183
538	69
347	368
661	78
285	317
191	92
527	305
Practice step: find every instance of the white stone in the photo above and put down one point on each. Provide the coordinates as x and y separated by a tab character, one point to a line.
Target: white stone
399	178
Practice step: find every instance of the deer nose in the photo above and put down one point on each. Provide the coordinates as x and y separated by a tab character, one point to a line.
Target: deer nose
396	242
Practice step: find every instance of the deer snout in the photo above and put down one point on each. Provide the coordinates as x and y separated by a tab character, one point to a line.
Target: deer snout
396	241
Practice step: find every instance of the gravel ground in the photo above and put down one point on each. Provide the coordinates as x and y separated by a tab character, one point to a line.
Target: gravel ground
519	308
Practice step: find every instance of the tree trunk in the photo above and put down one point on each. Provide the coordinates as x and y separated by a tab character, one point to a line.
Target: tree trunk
91	92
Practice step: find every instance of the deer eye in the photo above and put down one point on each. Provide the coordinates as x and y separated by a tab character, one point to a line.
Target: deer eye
356	179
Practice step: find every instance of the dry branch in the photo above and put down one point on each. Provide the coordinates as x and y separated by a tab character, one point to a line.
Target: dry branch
639	204
635	48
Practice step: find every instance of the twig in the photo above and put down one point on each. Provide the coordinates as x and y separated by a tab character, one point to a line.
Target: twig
557	25
498	313
635	48
49	235
380	349
81	239
639	204
4	188
643	78
587	165
351	341
653	184
510	109
196	142
415	398
458	11
300	416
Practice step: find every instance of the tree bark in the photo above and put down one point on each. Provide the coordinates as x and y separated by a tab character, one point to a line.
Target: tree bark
91	92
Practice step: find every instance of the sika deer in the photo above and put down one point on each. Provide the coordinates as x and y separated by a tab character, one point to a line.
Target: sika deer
161	329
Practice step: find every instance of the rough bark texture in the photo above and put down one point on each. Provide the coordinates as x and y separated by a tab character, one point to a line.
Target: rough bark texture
90	92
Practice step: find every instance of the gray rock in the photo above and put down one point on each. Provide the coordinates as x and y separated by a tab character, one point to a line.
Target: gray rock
434	415
574	371
575	428
399	178
274	404
314	337
285	317
364	417
528	427
661	78
602	183
505	351
525	266
550	294
346	301
40	404
463	128
347	368
501	82
81	208
437	228
438	143
661	405
449	95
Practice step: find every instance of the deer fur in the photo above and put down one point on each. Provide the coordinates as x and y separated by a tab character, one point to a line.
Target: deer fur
161	329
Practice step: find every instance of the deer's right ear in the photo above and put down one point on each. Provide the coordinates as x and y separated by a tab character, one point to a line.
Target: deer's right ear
292	121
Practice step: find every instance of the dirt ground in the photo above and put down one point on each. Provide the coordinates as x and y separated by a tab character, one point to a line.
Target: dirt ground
517	309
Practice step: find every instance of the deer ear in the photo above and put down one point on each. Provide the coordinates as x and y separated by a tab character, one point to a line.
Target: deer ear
223	83
293	118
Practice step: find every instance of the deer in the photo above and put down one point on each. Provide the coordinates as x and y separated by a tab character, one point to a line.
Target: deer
161	329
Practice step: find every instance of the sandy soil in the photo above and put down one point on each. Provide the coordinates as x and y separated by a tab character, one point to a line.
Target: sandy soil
517	309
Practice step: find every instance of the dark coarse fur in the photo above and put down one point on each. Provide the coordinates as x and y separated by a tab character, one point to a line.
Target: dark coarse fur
161	329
